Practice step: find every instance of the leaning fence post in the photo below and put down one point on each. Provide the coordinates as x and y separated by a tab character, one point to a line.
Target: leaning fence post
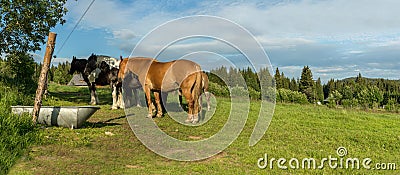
51	42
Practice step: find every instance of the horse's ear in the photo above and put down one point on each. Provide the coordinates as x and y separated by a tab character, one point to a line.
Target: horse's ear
120	57
73	58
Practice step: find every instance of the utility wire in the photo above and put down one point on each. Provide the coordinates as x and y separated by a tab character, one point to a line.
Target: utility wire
73	29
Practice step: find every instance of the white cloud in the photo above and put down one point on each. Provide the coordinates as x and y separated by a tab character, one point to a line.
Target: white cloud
356	51
335	37
340	18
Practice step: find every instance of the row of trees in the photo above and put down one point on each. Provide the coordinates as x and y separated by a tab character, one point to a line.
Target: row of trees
242	80
313	89
23	77
57	74
24	26
350	92
364	92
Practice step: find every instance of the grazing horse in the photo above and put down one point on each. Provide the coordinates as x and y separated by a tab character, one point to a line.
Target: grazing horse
205	90
129	80
134	84
94	73
166	77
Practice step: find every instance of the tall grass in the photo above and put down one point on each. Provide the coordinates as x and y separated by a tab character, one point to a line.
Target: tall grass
16	132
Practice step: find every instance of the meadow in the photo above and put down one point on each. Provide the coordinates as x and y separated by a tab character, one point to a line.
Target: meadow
107	145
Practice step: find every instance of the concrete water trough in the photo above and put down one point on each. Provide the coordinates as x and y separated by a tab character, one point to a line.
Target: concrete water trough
65	116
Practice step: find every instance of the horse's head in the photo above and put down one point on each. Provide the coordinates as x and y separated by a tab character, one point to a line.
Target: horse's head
77	65
91	64
122	66
104	67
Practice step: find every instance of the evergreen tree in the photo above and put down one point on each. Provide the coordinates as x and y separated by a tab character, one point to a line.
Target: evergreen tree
319	90
251	79
329	88
219	75
307	83
265	77
293	85
360	80
285	81
278	80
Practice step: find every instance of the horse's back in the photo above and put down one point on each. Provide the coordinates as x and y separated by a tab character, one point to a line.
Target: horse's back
169	76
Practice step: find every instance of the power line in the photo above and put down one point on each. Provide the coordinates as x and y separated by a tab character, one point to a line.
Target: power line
76	25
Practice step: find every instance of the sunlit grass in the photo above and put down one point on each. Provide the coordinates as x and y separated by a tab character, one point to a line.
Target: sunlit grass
296	131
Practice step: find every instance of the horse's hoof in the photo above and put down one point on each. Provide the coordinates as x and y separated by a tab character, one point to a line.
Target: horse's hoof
159	115
149	116
114	107
138	106
195	121
189	119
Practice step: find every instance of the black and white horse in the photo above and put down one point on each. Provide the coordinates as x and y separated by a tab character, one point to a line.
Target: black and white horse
97	72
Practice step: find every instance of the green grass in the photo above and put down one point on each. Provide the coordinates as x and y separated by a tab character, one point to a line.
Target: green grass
17	133
296	131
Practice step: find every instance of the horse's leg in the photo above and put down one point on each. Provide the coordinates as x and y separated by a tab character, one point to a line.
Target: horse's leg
150	105
164	99
180	97
135	92
207	94
90	91
127	103
196	108
114	96
120	101
158	103
93	96
189	99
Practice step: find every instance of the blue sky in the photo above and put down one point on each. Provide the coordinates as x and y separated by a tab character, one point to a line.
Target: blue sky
337	38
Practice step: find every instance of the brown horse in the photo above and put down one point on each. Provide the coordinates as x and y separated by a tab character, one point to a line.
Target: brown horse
131	82
166	77
135	84
205	89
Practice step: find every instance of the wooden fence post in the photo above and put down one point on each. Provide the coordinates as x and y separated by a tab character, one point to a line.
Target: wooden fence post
42	83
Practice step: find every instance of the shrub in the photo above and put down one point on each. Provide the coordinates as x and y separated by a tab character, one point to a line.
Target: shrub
331	101
254	95
286	95
269	94
17	132
391	105
350	103
218	90
239	91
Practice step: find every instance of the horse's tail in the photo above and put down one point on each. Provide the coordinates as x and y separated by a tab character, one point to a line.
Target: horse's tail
197	88
204	82
205	89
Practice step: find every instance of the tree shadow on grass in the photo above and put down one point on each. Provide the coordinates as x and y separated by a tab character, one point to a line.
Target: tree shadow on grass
101	124
82	95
